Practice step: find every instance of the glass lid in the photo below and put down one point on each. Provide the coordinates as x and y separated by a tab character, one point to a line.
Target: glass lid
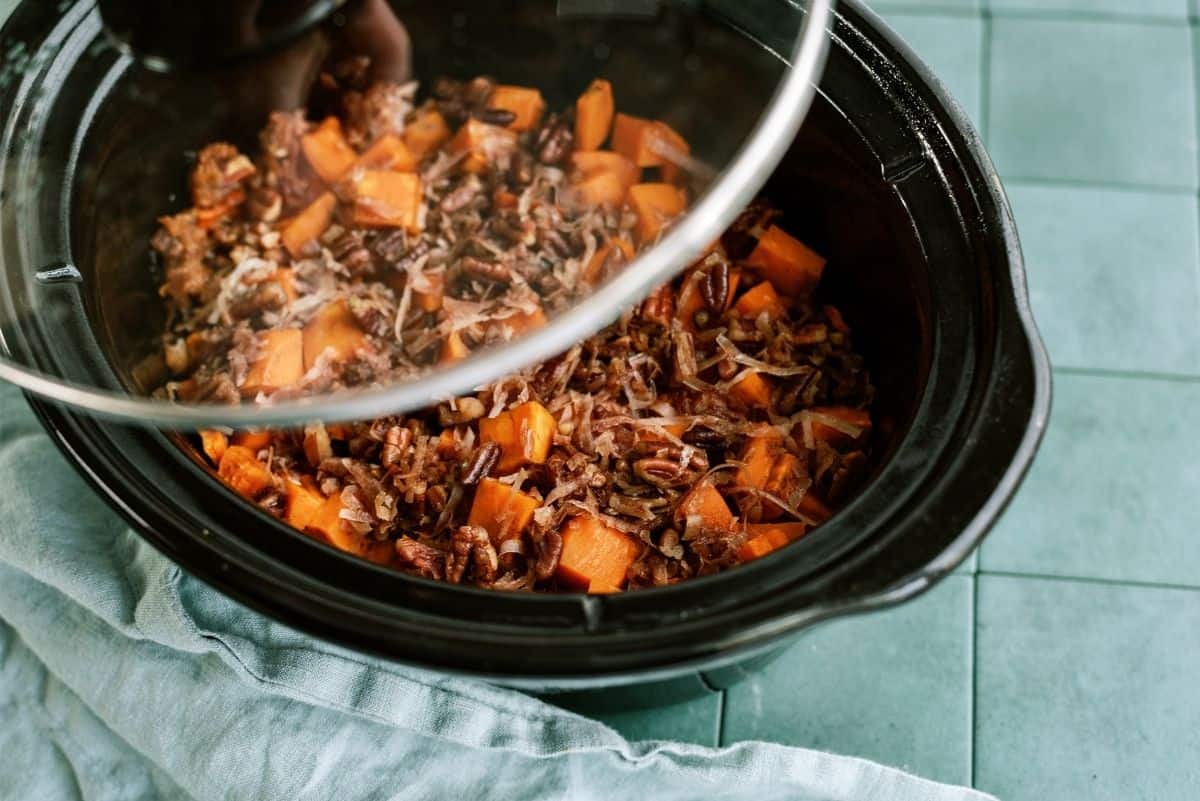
247	213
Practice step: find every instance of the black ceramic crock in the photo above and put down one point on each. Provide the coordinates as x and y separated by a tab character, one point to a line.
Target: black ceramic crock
887	177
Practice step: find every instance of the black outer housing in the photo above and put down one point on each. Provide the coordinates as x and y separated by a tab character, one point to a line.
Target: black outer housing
889	172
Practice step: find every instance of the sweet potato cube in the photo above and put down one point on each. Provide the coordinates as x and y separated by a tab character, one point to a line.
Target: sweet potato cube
753	391
387	199
616	251
856	419
213	443
429	290
482	144
600	588
602	190
254	440
453	348
630	138
524	435
595	554
655	205
525	322
594	115
242	472
301	505
812	507
327	151
766	467
786	262
599	162
648	143
309	224
503	511
326	524
388	153
425	132
525	102
761	299
279	364
704	507
333	328
286	278
766	537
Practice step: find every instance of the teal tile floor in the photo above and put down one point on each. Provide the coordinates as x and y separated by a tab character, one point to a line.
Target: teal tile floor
1061	664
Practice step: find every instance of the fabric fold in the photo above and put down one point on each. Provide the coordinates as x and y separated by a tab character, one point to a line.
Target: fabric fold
123	677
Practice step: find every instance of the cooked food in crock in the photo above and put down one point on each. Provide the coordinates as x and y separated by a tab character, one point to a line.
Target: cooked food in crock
719	421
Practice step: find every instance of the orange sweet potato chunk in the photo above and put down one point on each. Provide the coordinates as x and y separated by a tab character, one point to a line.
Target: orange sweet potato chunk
704	506
432	289
655	205
761	299
594	115
213	443
786	262
766	537
852	418
242	472
453	348
603	161
327	151
301	505
524	435
425	132
616	251
646	143
334	328
279	364
309	224
482	144
388	199
254	440
327	525
811	506
602	190
388	153
767	467
753	391
523	101
504	512
595	554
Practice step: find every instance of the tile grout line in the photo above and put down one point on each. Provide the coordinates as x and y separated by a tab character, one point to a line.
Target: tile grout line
973	707
721	719
1127	375
1110	186
1094	580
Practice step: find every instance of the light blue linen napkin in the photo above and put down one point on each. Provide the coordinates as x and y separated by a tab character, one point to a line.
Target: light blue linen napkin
123	678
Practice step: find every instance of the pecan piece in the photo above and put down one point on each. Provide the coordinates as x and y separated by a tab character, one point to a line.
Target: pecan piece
482	463
485	270
417	557
714	286
471	546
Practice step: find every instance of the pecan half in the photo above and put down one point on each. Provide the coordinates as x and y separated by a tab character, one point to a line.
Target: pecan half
482	463
417	557
471	546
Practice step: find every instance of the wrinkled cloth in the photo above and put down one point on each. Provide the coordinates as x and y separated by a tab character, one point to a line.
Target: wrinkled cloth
123	678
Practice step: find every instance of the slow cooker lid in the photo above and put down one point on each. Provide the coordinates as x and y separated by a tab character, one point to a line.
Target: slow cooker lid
77	322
